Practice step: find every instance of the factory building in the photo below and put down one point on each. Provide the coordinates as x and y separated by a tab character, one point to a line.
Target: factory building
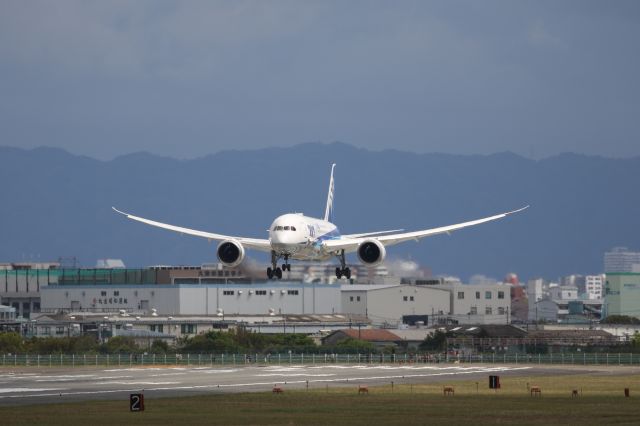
387	304
194	299
20	285
622	294
212	290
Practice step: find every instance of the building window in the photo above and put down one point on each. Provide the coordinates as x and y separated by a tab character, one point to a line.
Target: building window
487	295
500	310
228	292
261	292
292	292
358	298
405	298
59	331
46	331
350	298
103	293
187	328
116	293
488	310
411	298
501	295
474	310
477	295
461	295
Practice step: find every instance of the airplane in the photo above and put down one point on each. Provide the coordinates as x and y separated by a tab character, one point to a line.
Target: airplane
294	236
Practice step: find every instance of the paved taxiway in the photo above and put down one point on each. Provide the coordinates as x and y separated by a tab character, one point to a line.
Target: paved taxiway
35	386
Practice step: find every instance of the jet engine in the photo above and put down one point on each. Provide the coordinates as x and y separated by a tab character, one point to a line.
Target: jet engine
230	253
371	252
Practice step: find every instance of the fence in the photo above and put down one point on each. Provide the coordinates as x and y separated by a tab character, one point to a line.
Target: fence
196	360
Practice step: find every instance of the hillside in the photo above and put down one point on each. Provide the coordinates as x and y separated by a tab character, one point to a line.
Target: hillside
58	204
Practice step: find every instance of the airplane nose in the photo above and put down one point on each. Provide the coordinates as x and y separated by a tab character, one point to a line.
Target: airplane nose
285	238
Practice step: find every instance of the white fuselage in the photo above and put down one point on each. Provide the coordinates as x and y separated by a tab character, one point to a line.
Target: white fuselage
300	237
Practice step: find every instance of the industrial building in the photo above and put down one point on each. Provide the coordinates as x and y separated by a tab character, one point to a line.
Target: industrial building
386	304
194	299
622	294
209	293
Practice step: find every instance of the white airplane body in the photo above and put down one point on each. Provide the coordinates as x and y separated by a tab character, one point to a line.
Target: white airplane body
299	237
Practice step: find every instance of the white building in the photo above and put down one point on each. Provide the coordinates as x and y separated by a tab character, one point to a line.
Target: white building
7	314
621	259
479	304
563	293
194	299
593	286
383	304
387	304
535	290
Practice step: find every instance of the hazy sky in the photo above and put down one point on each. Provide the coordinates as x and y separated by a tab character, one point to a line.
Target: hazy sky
185	79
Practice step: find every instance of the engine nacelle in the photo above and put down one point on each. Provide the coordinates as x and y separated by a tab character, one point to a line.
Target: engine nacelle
230	253
371	252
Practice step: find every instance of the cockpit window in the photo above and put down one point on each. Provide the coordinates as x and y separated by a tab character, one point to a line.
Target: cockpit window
286	228
293	228
278	228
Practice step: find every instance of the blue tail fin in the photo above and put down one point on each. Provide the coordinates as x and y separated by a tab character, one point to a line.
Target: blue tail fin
328	213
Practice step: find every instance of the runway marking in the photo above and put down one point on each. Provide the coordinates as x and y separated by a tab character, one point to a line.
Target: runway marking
167	374
443	372
294	375
139	383
7	390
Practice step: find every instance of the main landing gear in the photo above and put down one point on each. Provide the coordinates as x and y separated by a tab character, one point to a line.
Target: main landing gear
343	270
274	271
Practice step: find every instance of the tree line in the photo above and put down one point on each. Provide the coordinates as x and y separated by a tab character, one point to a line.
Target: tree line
232	341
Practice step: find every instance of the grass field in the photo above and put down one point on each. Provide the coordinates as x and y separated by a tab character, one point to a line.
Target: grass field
601	401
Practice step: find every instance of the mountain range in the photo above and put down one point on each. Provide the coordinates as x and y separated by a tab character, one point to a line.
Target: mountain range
56	204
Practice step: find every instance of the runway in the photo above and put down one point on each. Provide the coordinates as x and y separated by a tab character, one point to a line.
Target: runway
52	385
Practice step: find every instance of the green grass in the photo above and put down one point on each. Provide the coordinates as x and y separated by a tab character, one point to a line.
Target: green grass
602	402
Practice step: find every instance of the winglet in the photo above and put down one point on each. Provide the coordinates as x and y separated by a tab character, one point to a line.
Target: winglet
518	210
118	211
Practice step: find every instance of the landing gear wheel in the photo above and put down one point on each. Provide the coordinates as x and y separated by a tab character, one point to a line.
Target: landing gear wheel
278	273
270	273
338	273
347	273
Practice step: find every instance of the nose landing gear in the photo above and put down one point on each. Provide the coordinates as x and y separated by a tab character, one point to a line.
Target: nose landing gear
274	271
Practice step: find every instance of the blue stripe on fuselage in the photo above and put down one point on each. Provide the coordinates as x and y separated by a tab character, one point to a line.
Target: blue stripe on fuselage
333	235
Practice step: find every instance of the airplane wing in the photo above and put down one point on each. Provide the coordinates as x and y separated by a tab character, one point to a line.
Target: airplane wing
252	243
351	244
368	234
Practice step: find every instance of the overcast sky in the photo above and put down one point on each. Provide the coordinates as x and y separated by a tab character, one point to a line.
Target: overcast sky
185	79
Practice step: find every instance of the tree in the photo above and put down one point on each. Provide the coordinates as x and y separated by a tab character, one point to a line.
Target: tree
356	345
159	347
121	345
11	343
434	342
620	319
